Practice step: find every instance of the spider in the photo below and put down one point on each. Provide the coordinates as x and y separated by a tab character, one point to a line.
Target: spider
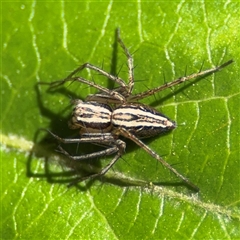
103	117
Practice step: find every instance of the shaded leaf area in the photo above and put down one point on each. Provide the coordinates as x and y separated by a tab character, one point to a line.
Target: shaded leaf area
101	210
139	199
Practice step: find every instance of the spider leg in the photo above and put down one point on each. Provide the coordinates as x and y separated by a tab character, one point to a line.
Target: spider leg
176	82
120	150
104	138
112	98
130	63
111	93
127	134
71	77
106	152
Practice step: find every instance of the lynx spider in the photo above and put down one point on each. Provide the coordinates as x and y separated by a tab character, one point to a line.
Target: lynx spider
105	116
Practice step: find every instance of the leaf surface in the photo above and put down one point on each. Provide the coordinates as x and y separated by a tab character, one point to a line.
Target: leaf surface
44	42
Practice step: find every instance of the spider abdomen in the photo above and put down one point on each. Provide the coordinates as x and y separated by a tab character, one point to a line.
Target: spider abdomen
141	120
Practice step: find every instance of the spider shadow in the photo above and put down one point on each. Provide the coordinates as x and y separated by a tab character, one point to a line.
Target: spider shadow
45	148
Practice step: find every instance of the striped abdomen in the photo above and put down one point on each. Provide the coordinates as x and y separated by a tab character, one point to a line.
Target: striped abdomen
141	120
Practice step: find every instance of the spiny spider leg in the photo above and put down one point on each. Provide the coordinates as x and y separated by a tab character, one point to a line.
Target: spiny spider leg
70	77
106	152
111	93
127	134
105	98
125	89
121	148
176	82
130	64
104	138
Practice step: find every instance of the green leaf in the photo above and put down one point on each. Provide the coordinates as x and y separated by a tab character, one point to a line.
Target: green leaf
45	41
